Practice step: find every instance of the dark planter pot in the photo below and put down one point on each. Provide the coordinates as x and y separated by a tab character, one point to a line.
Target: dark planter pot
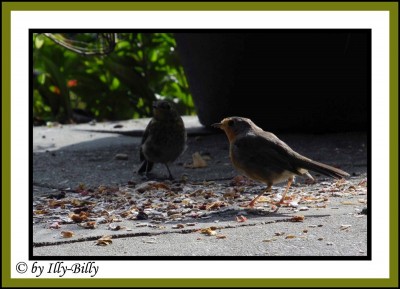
284	80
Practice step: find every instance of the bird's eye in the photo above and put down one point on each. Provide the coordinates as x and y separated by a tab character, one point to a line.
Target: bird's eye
230	123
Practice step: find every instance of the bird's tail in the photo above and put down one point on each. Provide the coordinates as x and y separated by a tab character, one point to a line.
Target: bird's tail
145	167
323	169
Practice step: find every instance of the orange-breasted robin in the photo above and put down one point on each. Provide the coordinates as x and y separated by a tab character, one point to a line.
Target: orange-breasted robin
164	138
263	157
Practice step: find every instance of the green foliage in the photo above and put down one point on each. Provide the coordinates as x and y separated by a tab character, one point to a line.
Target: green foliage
120	85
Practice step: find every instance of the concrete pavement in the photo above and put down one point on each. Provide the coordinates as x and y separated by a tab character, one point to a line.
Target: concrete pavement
91	169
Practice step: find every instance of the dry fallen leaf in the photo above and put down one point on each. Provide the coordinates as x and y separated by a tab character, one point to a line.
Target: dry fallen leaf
241	219
115	228
57	203
81	203
298	218
178	226
78	218
241	181
40	212
104	241
363	182
290	237
263	199
67	234
88	225
221	237
208	231
230	195
55	225
215	205
198	162
151	185
348	203
81	186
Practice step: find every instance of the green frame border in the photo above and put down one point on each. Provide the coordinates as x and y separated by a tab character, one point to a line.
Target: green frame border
8	7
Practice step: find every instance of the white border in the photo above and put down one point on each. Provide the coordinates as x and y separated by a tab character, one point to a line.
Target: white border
378	21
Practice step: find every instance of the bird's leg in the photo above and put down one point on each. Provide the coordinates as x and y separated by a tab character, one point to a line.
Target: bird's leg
268	189
282	201
170	175
290	180
146	171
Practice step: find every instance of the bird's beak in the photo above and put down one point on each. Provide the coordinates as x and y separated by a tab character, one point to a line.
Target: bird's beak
217	125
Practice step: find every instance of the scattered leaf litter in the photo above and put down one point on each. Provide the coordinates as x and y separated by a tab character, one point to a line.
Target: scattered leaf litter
104	241
185	202
67	234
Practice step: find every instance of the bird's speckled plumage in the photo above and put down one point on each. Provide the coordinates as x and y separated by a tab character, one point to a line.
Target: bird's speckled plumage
164	139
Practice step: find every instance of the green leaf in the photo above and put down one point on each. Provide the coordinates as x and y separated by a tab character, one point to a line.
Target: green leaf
41	78
114	84
39	41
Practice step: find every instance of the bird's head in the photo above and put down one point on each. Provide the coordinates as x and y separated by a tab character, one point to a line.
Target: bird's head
233	126
163	110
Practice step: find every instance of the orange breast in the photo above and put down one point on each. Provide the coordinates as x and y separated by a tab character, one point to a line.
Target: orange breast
230	134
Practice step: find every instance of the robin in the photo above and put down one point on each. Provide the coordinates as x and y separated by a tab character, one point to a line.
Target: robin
164	138
263	157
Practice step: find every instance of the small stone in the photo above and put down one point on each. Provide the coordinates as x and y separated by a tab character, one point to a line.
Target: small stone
142	216
345	227
121	156
149	241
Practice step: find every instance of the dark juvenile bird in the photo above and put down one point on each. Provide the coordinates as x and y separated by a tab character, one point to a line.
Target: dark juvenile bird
263	157
164	139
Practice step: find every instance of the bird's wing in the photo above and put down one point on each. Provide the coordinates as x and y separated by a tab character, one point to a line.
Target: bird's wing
144	138
265	149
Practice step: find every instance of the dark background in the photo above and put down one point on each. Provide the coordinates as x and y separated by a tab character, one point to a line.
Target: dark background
284	80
